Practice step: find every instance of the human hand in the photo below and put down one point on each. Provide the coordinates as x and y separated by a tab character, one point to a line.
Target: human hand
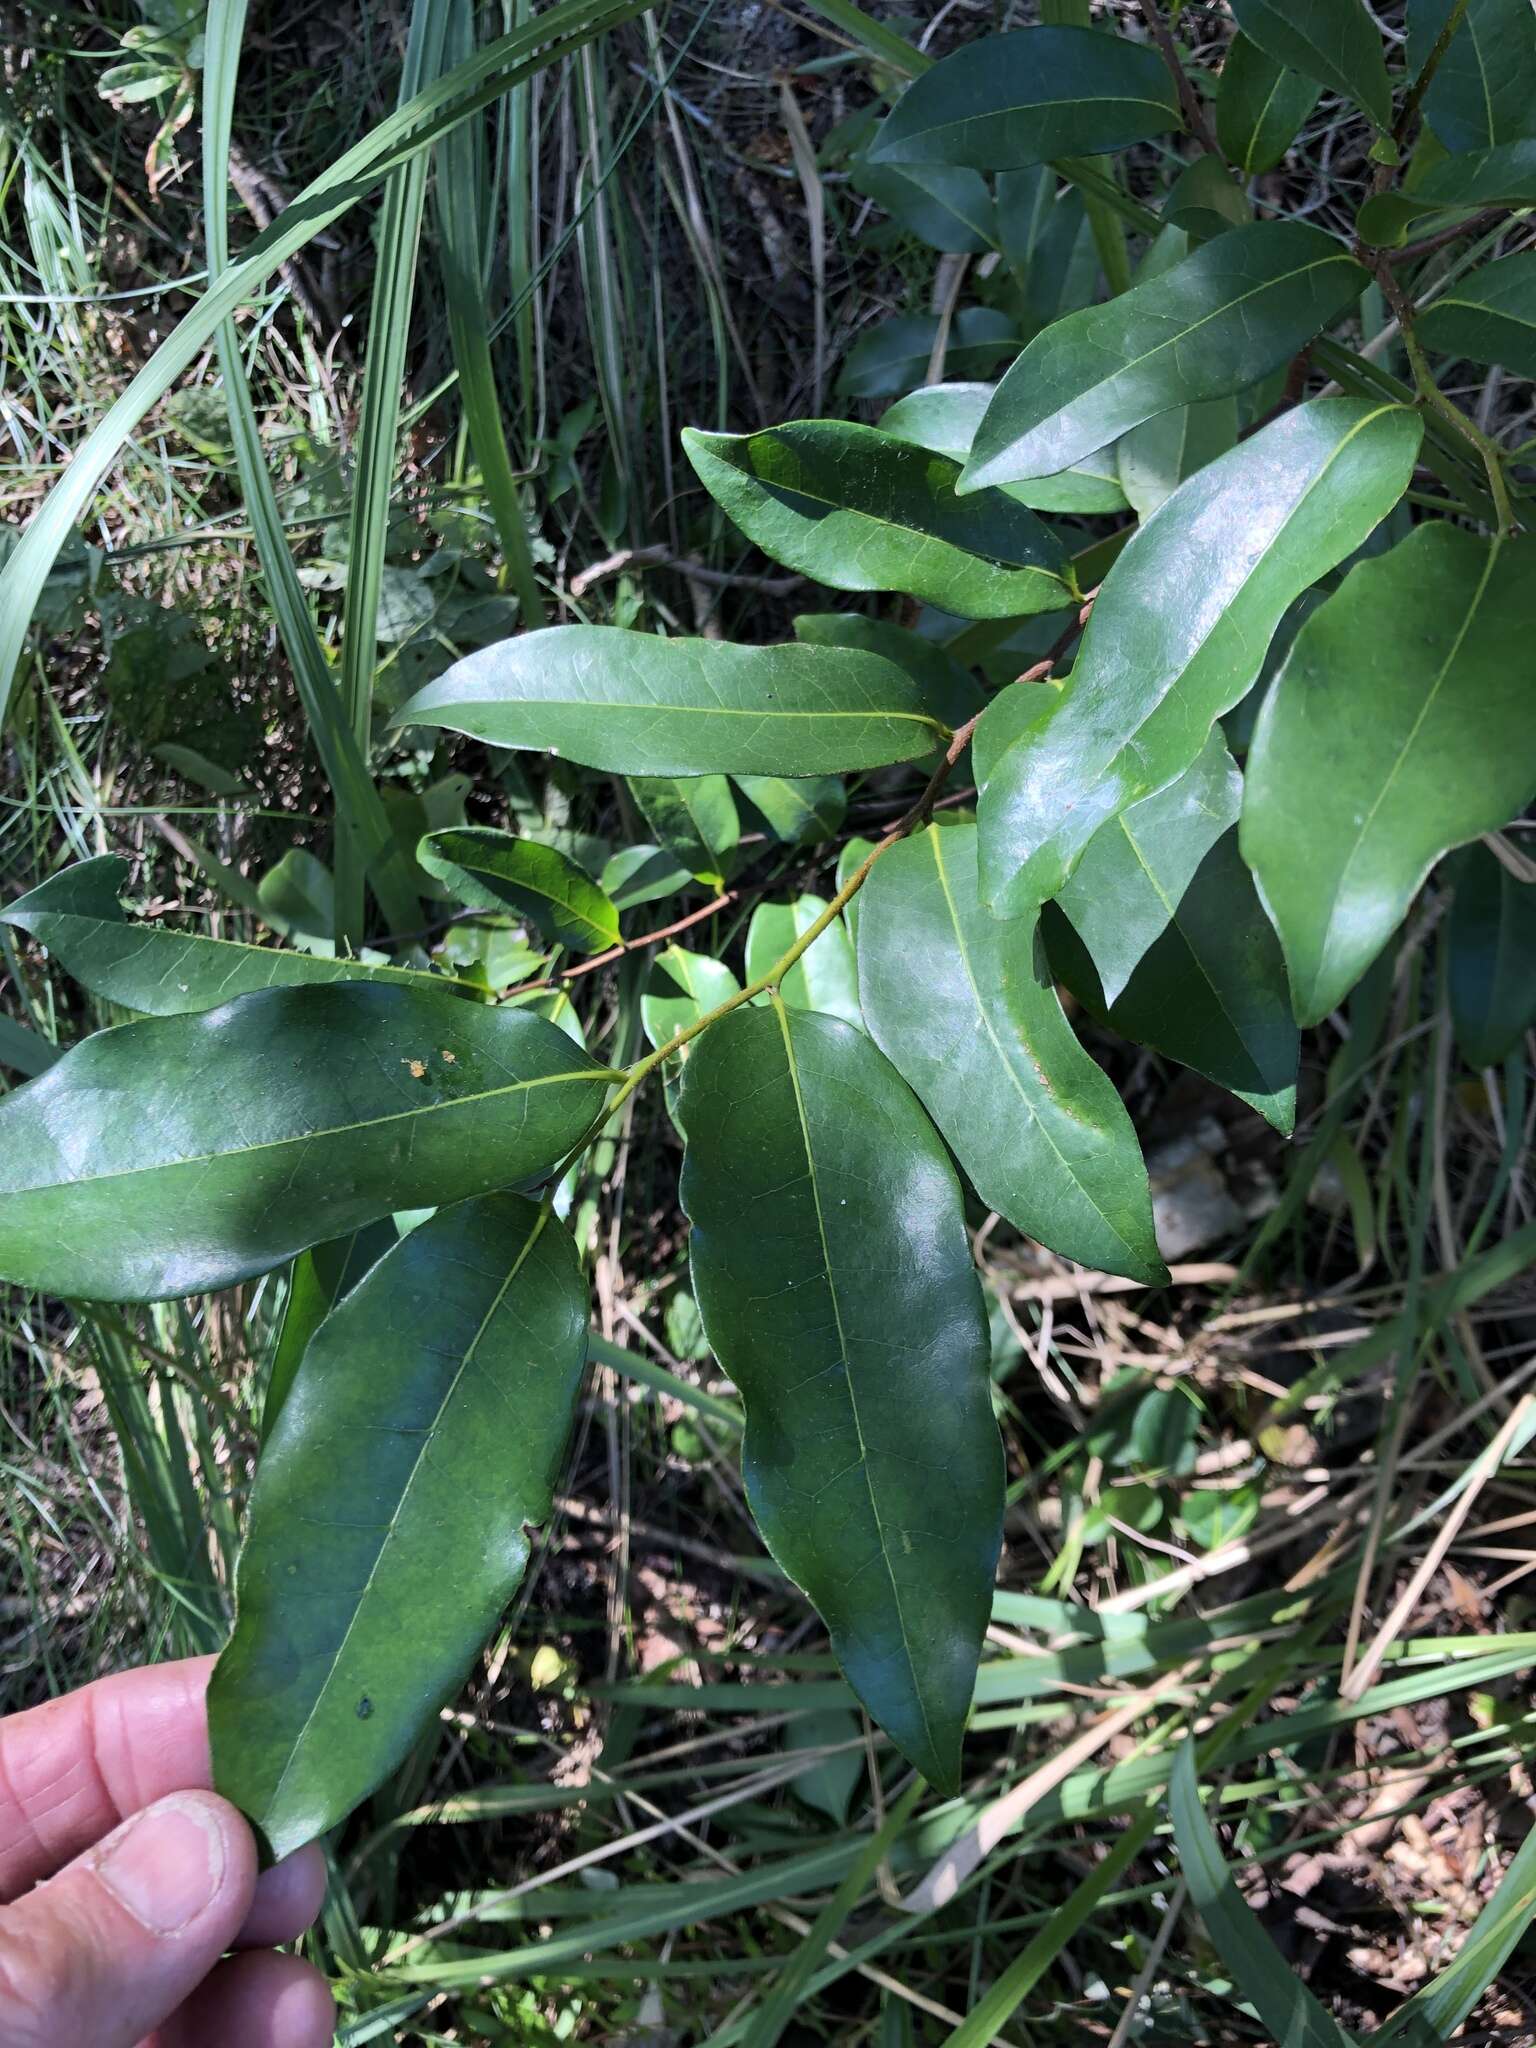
143	1879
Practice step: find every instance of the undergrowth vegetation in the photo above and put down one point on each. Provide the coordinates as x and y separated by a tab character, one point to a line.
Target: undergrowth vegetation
433	437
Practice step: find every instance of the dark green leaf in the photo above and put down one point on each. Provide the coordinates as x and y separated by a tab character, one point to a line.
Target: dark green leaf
694	817
1004	102
944	206
1484	89
1502	176
1260	107
77	916
319	1279
639	705
1489	317
831	1265
1206	200
1492	941
1399	727
801	812
895	355
26	1050
491	870
829	1784
944	417
1286	2008
642	874
824	977
950	693
389	1519
1334	41
1211	992
185	1153
962	1003
686	987
1134	870
300	893
860	510
1179	630
1230	312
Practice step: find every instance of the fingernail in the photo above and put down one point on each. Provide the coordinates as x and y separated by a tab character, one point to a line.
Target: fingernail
166	1865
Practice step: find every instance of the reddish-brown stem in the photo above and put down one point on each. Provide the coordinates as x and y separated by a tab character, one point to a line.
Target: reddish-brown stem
668	931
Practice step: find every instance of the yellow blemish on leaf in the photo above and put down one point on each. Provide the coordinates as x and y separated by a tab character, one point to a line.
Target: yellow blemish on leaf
451	1057
418	1069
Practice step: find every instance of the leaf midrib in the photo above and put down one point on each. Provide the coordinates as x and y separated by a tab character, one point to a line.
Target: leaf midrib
1313	484
1362	831
782	1014
297	1746
907	532
1132	363
97	1180
156	936
1119	1236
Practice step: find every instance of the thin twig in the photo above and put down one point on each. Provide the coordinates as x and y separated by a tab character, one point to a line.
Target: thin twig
1189	99
638	945
659	557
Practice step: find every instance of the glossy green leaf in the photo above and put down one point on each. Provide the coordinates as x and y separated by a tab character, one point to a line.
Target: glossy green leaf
1127	886
832	1268
860	510
389	1519
824	977
944	417
1210	992
1502	176
76	914
695	818
1001	103
1179	629
490	870
1398	728
943	205
299	895
316	1283
1333	41
1205	200
642	874
636	704
26	1050
801	812
1484	88
1261	107
185	1153
853	856
1492	958
1154	459
1233	310
950	693
895	355
1489	317
1286	2008
684	987
963	1005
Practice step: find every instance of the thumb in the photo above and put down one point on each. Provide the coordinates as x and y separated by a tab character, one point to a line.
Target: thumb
111	1946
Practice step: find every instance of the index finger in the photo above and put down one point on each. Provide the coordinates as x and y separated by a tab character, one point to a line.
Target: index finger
72	1769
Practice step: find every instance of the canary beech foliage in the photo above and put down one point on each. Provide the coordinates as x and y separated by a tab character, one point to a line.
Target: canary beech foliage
1138	693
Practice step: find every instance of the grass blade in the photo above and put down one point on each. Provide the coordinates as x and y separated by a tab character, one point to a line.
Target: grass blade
460	182
1277	1995
407	132
360	813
